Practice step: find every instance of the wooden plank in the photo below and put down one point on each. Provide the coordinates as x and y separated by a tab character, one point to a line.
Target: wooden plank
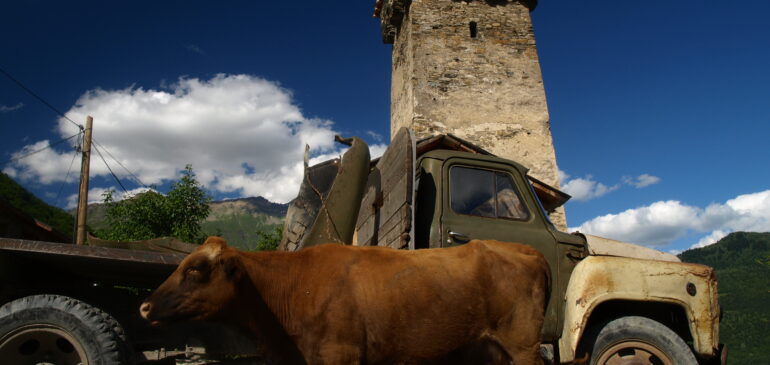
394	199
396	221
366	232
396	227
385	214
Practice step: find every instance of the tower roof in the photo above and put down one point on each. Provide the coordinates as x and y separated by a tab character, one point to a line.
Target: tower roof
391	13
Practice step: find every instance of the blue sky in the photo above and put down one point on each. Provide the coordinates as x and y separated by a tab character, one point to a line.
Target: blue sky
677	93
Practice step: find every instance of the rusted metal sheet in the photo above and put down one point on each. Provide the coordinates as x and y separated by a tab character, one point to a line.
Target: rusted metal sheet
598	279
94	263
600	246
386	215
304	208
327	205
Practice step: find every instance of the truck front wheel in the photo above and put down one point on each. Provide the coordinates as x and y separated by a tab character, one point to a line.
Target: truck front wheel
638	340
43	329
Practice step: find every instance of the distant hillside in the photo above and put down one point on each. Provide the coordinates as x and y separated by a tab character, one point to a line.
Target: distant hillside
237	220
742	262
21	199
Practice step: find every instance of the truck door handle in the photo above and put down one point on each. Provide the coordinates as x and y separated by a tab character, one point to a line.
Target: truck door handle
459	236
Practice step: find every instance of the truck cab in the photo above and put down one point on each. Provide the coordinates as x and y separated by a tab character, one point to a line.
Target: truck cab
463	196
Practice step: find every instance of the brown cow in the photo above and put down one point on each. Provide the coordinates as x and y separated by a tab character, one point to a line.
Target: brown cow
335	304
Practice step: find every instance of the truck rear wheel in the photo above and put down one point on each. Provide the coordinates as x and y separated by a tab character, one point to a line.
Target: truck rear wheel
639	340
59	330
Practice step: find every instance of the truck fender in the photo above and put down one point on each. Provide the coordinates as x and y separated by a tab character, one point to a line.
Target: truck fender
598	279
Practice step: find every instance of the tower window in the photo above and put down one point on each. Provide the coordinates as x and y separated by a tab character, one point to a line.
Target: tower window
473	28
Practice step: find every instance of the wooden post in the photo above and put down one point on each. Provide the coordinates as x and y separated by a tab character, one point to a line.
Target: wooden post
80	237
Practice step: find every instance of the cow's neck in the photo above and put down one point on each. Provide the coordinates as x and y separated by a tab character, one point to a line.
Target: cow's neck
272	275
275	275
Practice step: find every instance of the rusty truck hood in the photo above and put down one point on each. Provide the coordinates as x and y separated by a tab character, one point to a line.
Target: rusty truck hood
600	246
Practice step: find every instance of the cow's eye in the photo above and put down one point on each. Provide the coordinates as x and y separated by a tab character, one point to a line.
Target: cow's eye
193	271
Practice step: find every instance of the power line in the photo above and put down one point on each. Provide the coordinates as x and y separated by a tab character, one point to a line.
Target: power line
80	127
108	168
61	186
38	97
121	165
42	149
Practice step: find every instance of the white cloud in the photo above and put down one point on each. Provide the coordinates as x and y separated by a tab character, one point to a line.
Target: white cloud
584	189
654	225
5	108
242	134
46	166
662	222
641	181
377	150
710	239
375	136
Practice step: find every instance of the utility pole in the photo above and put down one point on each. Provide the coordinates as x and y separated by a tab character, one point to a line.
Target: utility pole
80	236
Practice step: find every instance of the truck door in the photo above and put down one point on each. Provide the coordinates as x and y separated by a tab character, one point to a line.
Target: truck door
489	200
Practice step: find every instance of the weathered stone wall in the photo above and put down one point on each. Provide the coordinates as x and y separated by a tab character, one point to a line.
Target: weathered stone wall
470	68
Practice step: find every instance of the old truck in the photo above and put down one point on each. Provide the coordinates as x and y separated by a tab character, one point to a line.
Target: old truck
615	302
612	301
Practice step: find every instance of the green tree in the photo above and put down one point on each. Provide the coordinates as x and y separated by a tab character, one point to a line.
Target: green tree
151	214
269	240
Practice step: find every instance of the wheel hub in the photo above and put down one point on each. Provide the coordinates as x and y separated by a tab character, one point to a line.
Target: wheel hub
633	353
41	344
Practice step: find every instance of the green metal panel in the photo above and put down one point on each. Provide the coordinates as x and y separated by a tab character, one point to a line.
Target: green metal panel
337	218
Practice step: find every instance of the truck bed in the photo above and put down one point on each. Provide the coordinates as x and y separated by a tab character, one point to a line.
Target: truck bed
99	264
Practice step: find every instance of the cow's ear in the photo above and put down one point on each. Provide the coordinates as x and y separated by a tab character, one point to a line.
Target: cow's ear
233	266
215	240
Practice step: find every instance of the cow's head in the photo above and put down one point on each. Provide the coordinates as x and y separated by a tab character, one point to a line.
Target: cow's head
202	287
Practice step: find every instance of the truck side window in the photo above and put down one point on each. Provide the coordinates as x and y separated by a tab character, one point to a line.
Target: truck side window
485	193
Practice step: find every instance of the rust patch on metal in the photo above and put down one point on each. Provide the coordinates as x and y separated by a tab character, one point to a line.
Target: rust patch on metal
597	283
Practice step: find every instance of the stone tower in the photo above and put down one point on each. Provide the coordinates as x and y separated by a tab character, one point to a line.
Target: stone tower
470	68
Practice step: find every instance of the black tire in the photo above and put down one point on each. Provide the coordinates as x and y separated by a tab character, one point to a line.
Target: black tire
128	357
638	340
60	330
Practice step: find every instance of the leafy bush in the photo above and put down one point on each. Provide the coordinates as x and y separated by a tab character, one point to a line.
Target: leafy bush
151	214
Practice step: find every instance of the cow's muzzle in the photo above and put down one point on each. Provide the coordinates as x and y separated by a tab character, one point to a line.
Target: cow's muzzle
145	310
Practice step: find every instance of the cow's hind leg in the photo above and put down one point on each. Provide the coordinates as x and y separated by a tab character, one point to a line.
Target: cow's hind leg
520	335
